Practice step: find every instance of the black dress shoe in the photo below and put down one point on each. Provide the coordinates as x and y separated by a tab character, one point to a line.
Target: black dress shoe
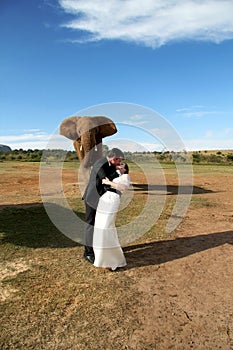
113	269
89	258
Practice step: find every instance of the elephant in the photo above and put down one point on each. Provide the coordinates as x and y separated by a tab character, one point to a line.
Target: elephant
87	134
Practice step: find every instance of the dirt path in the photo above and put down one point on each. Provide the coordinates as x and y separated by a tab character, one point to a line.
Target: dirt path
187	282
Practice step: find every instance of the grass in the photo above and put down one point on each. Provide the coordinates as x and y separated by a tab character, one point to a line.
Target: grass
199	202
59	299
65	305
30	227
213	169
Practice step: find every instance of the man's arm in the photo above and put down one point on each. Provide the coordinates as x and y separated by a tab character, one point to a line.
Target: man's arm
106	170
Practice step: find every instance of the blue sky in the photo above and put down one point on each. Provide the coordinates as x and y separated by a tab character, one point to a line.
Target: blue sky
172	57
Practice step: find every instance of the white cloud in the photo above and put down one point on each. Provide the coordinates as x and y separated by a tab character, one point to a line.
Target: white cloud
134	146
136	117
23	137
209	134
135	122
37	140
152	23
228	131
208	144
33	130
219	134
188	109
197	112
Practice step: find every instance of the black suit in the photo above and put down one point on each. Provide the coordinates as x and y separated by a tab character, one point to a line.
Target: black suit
94	190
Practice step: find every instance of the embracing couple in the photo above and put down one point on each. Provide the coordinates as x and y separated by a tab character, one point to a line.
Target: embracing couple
108	179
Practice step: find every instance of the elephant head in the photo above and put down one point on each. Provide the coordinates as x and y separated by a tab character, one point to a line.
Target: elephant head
87	134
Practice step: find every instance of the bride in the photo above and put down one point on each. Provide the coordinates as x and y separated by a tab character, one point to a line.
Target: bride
107	249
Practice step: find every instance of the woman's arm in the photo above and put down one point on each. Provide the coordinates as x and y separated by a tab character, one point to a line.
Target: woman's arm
115	185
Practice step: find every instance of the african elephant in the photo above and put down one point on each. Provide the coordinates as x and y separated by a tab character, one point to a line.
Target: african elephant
87	134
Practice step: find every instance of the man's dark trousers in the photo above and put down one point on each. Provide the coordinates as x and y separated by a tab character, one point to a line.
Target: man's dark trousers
89	229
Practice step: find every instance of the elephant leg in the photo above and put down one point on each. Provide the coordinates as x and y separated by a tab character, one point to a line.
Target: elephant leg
88	140
88	148
83	177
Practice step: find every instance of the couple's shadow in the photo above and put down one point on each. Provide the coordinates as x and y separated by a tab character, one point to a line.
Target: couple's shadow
159	252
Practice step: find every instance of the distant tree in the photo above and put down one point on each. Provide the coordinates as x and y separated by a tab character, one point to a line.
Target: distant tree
162	157
213	158
230	157
196	157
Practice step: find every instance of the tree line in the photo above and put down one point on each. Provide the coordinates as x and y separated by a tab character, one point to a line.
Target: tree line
197	157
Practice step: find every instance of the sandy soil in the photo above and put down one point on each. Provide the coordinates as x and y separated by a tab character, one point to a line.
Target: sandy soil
186	280
188	283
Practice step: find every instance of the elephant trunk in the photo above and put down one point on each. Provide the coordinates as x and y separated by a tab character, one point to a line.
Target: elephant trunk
91	150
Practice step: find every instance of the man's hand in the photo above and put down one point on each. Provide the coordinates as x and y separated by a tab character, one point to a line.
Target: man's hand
106	181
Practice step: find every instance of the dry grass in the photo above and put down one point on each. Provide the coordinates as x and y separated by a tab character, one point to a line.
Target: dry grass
61	302
50	297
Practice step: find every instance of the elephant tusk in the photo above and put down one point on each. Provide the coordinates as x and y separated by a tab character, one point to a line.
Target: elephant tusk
81	147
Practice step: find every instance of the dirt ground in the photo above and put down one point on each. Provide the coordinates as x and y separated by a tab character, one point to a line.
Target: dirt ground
186	279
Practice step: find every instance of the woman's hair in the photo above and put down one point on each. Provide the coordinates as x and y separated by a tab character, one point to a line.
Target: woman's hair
126	167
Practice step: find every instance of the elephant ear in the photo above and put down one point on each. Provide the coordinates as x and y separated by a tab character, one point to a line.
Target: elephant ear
68	128
106	126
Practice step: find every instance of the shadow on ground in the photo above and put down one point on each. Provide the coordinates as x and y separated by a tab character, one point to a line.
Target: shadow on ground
159	252
29	225
171	189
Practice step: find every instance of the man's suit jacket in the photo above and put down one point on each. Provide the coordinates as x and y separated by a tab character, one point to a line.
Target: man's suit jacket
95	188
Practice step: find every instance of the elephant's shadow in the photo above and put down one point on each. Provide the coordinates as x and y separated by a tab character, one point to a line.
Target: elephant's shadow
169	189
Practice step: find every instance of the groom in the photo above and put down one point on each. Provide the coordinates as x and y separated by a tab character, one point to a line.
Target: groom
103	167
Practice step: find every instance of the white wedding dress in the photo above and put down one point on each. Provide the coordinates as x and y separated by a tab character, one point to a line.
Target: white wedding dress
107	249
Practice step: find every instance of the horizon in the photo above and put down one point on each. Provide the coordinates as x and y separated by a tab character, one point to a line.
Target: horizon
139	152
